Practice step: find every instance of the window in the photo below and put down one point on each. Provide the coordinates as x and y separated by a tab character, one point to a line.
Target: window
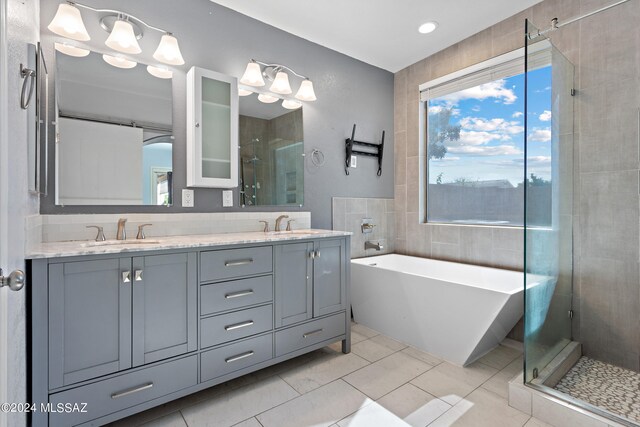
475	138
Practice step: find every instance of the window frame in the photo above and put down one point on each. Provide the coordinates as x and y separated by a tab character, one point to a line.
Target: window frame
454	81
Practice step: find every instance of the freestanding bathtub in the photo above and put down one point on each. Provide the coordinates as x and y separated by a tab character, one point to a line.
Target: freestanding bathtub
457	312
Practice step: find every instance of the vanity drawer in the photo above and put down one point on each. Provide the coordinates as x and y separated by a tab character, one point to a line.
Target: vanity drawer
298	337
230	263
232	326
114	394
236	294
223	360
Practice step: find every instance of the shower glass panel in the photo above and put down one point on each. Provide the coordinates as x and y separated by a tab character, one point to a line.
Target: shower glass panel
549	188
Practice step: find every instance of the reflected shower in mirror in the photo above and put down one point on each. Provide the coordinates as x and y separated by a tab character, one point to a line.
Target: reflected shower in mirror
271	153
114	126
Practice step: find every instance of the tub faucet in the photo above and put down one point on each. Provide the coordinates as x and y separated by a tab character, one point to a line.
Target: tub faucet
373	245
279	220
122	233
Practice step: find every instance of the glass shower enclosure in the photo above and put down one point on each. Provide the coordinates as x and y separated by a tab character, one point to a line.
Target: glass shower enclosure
548	204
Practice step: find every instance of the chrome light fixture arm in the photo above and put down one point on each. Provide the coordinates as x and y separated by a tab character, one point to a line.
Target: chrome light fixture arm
276	68
119	13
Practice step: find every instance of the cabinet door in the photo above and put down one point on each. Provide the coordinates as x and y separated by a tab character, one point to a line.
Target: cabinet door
329	277
293	273
89	319
212	129
164	306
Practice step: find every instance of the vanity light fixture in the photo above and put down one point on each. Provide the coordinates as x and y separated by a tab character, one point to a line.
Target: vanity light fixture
267	99
244	92
291	104
125	31
159	72
252	75
256	73
122	37
281	84
68	23
428	27
118	61
70	50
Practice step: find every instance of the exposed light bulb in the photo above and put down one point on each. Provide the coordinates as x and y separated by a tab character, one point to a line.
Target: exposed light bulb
168	51
122	38
67	49
281	84
267	99
68	23
252	75
118	61
306	92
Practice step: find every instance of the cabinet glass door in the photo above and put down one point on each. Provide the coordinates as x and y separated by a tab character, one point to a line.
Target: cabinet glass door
212	133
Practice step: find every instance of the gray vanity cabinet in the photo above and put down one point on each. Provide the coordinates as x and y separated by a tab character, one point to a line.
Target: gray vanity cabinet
112	314
126	333
310	280
165	308
329	277
294	283
89	320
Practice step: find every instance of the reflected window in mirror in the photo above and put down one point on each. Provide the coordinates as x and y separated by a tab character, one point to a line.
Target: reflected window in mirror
115	133
271	154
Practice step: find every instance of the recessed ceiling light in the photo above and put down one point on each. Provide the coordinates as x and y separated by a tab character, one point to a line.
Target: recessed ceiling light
428	27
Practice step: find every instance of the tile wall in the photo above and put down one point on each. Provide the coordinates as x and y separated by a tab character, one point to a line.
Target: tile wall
348	214
606	213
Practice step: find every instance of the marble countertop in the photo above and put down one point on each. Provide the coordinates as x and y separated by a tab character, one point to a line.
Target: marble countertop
90	247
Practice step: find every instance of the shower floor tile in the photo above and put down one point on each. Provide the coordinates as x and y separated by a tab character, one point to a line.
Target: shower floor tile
607	386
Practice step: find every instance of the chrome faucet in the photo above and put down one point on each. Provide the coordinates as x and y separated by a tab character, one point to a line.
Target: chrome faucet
279	220
122	233
373	245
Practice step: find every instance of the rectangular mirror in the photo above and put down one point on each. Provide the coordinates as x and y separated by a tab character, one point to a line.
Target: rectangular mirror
114	133
271	154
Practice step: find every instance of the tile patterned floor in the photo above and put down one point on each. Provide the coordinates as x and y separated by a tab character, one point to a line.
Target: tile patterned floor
381	383
607	386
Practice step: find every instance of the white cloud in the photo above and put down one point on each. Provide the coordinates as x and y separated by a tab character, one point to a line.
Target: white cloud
496	150
472	138
491	125
545	116
539	160
435	109
540	135
517	114
494	89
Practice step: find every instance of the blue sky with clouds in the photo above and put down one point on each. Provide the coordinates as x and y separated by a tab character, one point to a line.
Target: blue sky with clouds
491	144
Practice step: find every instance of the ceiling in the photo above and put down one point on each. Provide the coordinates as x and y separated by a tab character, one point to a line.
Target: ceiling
383	33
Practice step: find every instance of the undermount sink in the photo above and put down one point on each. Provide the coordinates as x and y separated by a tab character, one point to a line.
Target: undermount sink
119	243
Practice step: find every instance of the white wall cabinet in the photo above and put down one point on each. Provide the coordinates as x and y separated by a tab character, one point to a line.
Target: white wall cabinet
212	129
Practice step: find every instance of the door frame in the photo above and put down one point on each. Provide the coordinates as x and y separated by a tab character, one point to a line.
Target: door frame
4	333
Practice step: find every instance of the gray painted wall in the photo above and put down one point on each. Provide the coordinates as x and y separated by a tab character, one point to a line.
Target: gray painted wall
213	37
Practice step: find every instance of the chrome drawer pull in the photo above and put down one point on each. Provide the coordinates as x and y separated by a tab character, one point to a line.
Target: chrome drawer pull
308	334
131	391
239	357
238	325
239	294
238	262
